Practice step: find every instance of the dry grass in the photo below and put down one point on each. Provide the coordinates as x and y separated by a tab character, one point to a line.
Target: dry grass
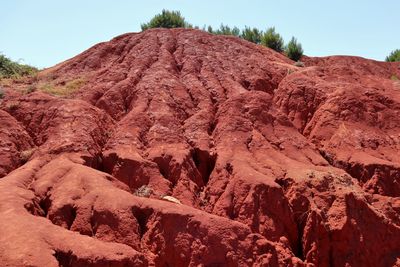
64	90
48	84
396	80
299	64
5	82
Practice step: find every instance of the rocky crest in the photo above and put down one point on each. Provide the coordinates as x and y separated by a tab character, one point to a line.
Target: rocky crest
189	149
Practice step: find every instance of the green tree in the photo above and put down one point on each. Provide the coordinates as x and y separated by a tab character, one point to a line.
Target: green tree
393	56
251	34
167	19
294	50
272	40
226	30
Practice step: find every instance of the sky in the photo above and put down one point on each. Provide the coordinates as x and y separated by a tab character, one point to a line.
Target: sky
45	32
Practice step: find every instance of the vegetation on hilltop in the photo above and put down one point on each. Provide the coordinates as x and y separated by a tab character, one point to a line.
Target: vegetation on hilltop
273	40
167	19
12	69
393	56
270	38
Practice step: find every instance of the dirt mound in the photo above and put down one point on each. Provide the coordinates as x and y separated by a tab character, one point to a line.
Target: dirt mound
181	148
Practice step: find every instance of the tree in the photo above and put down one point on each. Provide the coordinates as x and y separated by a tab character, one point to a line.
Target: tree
272	40
251	35
226	30
393	56
167	19
293	50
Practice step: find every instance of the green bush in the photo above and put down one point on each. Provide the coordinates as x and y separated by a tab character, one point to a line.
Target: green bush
9	68
293	50
272	40
167	19
394	56
251	34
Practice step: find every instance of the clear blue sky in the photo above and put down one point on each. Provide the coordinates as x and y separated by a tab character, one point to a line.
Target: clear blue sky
45	32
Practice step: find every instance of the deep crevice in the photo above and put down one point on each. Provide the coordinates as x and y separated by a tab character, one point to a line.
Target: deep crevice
205	163
35	208
45	204
142	217
65	259
298	252
95	162
163	166
65	214
211	127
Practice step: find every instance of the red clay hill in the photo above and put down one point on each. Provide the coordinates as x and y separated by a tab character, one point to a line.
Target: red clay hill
181	148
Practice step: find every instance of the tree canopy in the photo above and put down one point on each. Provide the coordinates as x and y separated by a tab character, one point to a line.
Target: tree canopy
393	56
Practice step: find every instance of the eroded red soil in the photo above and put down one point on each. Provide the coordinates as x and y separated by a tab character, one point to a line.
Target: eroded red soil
267	164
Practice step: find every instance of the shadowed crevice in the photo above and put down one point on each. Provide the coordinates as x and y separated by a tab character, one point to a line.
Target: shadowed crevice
142	216
65	259
205	163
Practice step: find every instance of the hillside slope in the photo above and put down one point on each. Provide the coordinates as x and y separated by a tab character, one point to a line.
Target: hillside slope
181	148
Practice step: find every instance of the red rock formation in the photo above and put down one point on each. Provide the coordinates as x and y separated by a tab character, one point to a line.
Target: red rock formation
264	163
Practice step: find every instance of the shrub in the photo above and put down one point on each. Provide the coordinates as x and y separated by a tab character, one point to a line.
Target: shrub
26	155
251	35
293	50
299	64
9	68
167	19
394	56
272	40
1	93
143	191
